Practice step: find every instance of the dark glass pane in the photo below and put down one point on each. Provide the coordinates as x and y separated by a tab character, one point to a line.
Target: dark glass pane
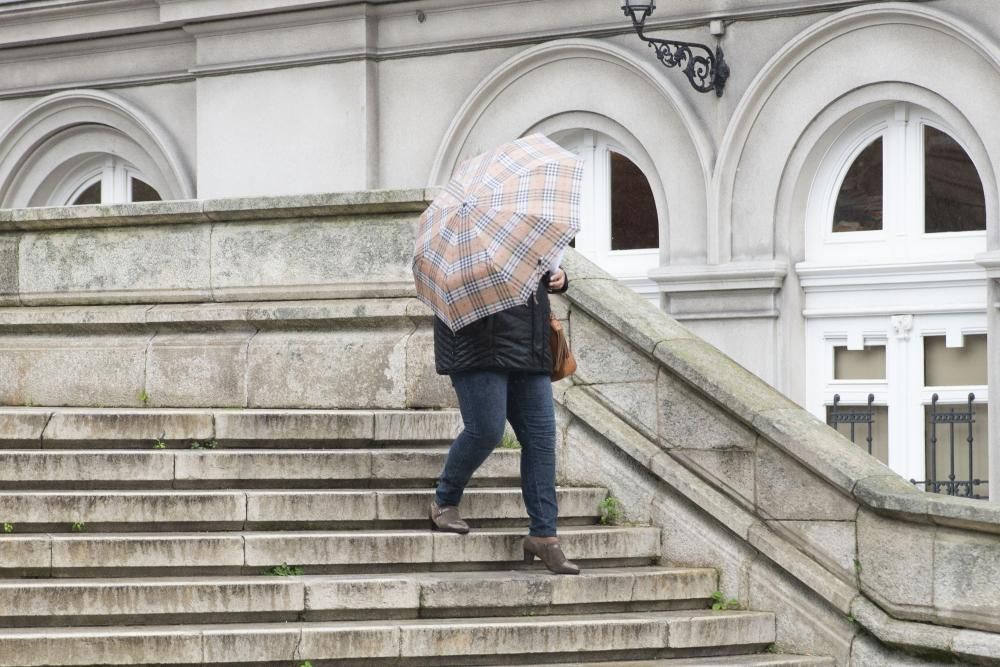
91	195
634	224
880	428
938	454
142	191
953	194
859	203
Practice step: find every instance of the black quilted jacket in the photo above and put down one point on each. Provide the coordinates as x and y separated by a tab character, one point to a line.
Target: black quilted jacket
516	339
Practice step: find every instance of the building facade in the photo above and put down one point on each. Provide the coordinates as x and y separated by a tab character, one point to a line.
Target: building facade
830	221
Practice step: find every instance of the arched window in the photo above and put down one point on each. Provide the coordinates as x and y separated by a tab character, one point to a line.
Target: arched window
895	304
103	179
620	221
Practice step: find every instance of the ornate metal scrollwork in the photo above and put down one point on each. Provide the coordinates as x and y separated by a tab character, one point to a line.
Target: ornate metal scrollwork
706	69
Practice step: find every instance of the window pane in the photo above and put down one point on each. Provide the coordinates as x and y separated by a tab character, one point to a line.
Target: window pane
867	364
142	191
880	429
953	194
954	366
859	204
941	454
634	223
91	195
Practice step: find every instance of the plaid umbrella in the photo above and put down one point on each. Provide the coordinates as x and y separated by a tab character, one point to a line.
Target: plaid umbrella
489	237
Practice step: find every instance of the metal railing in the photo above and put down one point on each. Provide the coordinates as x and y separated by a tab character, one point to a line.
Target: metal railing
854	417
952	486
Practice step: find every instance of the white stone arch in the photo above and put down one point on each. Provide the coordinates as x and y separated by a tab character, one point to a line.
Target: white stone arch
51	135
584	78
858	52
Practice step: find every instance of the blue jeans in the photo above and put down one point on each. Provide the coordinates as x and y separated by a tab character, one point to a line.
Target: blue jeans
486	400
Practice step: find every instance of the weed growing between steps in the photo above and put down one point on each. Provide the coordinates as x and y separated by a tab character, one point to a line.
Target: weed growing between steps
611	511
208	444
77	527
721	603
509	441
285	570
8	528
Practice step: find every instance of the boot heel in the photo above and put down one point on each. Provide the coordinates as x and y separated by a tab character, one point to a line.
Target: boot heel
529	556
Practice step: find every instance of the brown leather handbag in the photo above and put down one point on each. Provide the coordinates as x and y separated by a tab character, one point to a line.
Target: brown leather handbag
563	362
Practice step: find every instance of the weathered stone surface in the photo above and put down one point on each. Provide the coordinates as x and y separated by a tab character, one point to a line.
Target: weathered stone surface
8	270
112	265
285	465
72	370
635	402
896	559
122	507
206	370
688	421
264	550
346	368
133	598
293	426
111	552
300	258
43	468
967	578
692	539
603	357
408	426
487	545
712	629
100	646
834	541
869	652
250	643
353	594
126	427
22	428
305	505
713	373
486	503
588	458
788	490
805	623
832	456
502	464
24	552
731	469
424	387
375	640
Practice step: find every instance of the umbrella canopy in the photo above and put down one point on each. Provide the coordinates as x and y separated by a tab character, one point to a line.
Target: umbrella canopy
489	237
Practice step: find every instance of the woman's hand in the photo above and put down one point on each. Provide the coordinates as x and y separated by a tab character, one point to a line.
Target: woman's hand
557	280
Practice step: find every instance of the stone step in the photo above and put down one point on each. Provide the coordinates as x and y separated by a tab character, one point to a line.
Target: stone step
250	468
759	660
256	552
141	428
464	641
36	511
345	597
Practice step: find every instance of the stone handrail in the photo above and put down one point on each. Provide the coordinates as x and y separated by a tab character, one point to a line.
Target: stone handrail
911	567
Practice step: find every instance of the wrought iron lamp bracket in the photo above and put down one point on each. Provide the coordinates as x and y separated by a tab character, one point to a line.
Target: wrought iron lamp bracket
705	69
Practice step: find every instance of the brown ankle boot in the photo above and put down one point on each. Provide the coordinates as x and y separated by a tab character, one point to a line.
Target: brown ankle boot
550	554
446	519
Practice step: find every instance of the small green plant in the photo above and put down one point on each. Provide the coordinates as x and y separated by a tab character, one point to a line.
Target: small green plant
509	441
721	603
207	444
144	397
77	526
611	511
857	566
285	570
306	664
8	528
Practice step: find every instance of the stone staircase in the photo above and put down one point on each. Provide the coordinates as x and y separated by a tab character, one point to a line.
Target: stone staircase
281	537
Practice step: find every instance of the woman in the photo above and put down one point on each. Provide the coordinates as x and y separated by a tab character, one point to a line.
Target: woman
500	367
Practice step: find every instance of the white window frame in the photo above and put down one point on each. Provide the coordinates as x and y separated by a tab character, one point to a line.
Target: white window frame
114	173
892	286
632	267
